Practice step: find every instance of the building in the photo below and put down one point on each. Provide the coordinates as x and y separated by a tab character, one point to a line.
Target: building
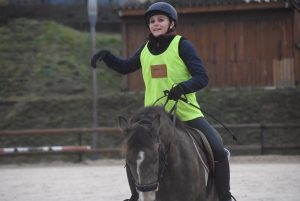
242	43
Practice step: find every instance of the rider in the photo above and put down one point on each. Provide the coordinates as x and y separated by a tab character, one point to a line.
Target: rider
170	62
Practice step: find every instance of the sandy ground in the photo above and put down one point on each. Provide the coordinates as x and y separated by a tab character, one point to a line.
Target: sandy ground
259	178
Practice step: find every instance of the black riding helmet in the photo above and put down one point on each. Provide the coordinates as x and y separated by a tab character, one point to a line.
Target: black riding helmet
161	8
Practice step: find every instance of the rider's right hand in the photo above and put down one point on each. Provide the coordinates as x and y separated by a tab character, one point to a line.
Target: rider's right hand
98	57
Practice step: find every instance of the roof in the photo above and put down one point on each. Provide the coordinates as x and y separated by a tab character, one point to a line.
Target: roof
183	3
231	4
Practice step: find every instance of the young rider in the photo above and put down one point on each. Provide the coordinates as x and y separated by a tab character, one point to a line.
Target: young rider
170	62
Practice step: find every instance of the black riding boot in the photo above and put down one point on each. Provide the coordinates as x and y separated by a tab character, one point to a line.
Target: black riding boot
134	194
222	180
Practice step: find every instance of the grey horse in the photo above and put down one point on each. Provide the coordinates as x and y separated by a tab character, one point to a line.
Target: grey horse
162	158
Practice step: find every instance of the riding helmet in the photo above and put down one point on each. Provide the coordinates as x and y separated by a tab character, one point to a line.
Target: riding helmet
161	8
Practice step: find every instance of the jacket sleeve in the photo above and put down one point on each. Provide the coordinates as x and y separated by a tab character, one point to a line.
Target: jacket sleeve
199	79
124	66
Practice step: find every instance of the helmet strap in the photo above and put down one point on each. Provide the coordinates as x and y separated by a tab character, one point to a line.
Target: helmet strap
170	22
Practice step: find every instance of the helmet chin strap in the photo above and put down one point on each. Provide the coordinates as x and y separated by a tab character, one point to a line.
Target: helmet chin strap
170	26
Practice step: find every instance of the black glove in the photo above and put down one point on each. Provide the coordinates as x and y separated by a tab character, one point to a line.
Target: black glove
98	57
175	93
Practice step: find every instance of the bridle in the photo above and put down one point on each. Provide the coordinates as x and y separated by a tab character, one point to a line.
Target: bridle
163	156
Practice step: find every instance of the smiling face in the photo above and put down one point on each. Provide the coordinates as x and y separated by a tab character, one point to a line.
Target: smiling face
159	24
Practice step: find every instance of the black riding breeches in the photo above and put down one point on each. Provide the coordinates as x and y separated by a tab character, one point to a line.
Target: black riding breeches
203	125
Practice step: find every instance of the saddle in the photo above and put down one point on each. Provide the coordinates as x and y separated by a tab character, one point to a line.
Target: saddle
202	146
205	154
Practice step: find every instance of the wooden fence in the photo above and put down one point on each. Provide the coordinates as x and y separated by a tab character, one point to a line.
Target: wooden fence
79	150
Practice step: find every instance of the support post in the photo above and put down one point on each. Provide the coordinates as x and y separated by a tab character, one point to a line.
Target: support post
92	14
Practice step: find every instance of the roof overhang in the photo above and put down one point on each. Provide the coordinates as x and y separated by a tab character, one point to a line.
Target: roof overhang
214	8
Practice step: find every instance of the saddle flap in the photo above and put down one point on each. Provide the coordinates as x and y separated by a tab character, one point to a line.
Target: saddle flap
203	147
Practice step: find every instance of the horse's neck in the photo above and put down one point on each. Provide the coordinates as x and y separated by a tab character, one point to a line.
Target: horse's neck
167	134
182	147
174	137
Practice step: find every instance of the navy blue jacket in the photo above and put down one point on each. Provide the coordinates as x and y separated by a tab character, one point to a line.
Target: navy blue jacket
156	46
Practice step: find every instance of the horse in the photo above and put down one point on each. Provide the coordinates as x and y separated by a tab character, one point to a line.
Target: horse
162	158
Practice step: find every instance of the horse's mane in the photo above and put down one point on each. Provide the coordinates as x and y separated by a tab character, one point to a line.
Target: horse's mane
140	123
146	114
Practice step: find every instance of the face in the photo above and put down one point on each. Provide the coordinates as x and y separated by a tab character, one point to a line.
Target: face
144	166
159	24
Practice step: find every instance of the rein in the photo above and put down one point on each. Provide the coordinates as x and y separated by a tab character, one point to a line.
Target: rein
166	92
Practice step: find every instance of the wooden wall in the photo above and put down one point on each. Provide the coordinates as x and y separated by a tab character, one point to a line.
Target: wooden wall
134	33
297	40
238	49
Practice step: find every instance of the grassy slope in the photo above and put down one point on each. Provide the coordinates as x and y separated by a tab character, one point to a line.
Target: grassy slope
46	83
46	59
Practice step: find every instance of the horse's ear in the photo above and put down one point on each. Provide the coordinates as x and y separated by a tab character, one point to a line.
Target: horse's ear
123	124
156	124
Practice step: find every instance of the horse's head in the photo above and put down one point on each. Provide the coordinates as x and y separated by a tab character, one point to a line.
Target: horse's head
142	151
149	134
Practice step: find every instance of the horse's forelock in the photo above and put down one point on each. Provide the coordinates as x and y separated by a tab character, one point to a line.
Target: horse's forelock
138	135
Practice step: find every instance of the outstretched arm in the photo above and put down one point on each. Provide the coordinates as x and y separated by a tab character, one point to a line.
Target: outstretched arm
122	66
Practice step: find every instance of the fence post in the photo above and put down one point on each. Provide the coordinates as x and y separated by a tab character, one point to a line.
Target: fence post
262	139
79	144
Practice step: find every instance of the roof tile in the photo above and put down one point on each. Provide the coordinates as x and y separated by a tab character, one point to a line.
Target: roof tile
191	3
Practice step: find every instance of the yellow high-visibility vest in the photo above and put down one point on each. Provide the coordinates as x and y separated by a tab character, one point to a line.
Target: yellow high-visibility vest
161	72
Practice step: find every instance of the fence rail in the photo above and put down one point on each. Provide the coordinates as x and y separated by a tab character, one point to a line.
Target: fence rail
262	147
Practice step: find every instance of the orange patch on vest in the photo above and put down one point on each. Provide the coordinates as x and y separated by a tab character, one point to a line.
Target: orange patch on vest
159	71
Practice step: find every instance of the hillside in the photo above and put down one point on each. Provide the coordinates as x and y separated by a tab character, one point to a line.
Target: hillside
43	58
46	83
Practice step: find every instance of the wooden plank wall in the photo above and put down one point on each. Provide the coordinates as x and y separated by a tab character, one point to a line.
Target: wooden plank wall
133	37
238	49
297	51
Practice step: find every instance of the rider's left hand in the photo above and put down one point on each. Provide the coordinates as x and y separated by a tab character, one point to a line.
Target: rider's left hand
175	93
